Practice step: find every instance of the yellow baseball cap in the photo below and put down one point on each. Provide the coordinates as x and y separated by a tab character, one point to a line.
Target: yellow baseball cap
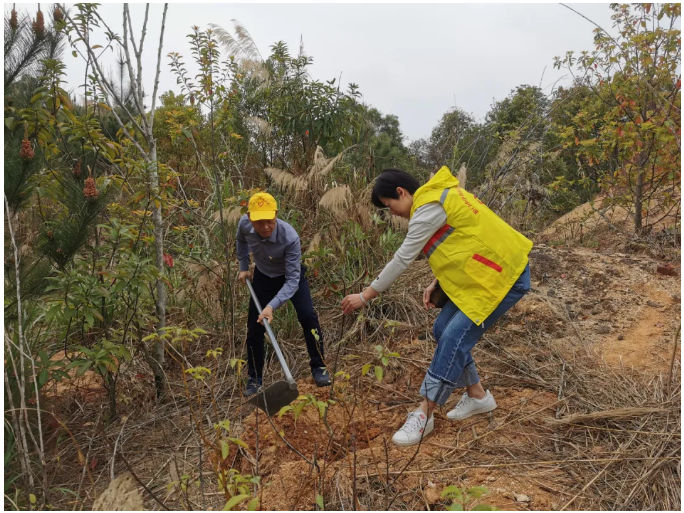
262	206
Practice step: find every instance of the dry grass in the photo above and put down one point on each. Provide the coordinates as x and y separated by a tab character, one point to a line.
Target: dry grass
399	223
619	455
287	181
315	243
616	414
262	126
322	165
313	181
231	215
121	495
462	176
337	200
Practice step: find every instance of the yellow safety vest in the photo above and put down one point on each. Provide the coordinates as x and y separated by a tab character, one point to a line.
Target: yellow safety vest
476	256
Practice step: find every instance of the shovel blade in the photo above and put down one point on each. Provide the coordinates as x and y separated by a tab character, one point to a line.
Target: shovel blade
273	398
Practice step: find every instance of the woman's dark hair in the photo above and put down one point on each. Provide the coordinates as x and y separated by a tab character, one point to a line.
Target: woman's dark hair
387	182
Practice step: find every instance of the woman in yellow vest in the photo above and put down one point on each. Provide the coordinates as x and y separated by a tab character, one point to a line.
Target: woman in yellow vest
480	263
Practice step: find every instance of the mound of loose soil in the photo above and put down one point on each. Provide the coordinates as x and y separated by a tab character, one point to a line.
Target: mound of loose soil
601	225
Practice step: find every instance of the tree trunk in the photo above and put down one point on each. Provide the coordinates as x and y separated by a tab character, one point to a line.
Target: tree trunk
110	386
160	306
638	202
639	191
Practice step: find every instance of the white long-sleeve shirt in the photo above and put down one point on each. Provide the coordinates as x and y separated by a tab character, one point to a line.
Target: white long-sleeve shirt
426	220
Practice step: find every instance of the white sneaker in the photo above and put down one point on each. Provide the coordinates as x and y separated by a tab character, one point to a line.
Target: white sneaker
417	426
469	406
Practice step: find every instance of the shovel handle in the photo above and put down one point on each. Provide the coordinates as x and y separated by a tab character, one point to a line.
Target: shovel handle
272	338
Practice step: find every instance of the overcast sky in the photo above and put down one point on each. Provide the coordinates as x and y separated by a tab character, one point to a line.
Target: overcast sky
412	60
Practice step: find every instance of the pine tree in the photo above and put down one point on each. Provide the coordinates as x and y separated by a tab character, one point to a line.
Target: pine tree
28	42
76	203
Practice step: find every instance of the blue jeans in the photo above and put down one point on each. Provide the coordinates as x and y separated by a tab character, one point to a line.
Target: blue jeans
452	365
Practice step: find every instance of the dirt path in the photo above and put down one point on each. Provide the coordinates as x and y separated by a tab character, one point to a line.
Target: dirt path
623	309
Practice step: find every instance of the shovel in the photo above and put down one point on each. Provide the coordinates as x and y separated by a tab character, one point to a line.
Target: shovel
281	393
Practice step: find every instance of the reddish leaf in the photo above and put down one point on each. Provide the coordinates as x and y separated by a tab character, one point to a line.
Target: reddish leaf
168	260
93	464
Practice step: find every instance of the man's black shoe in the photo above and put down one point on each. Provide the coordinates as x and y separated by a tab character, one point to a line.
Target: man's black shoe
253	386
321	376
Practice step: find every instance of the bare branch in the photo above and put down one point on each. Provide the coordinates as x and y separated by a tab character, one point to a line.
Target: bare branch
144	28
109	89
156	77
140	51
136	96
23	352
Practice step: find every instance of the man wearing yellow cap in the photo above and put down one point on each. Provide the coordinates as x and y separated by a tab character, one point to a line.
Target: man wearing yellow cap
278	276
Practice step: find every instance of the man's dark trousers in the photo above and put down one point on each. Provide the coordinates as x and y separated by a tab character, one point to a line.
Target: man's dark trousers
265	289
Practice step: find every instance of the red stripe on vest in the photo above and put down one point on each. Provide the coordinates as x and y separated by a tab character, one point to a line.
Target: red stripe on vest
435	238
488	262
